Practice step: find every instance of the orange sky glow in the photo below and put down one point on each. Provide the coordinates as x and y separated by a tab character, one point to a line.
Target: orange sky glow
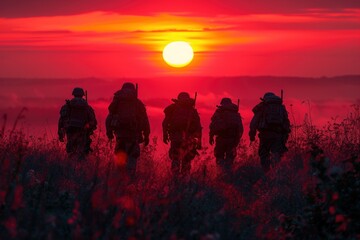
110	44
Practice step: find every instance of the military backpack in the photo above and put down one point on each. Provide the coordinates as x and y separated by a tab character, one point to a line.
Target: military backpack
77	114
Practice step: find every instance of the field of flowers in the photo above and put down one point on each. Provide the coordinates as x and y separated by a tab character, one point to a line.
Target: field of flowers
313	193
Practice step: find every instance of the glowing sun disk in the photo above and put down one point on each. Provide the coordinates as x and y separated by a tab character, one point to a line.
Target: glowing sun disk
178	54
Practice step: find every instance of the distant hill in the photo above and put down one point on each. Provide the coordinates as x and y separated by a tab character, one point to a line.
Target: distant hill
326	96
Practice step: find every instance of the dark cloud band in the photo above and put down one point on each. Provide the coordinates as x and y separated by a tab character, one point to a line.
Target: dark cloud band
26	8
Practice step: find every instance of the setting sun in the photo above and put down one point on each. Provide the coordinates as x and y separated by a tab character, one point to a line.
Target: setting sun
178	54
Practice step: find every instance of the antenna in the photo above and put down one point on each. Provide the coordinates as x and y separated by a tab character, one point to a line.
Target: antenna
86	97
238	103
282	94
137	89
195	98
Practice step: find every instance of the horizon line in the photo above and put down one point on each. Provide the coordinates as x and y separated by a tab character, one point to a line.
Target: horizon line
190	76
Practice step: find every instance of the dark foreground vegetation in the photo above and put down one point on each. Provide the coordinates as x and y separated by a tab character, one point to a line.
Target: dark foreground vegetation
312	194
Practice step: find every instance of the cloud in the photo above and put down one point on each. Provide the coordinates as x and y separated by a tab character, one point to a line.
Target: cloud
110	31
312	42
25	8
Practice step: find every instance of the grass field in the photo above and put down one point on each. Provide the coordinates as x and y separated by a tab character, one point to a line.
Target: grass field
314	192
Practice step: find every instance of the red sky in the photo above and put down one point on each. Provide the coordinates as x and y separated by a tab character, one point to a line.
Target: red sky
88	38
45	46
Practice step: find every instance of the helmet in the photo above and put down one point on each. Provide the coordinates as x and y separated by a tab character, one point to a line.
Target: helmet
183	96
128	85
78	92
225	101
269	94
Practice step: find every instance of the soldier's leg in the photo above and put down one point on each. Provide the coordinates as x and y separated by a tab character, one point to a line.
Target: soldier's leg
276	149
74	146
186	161
219	151
185	166
120	154
220	154
276	158
230	155
120	145
69	143
174	154
88	144
77	144
264	153
81	143
133	151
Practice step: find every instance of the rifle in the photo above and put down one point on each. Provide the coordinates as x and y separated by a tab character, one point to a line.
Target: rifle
137	89
135	120
86	99
110	143
238	103
195	99
282	94
199	137
189	117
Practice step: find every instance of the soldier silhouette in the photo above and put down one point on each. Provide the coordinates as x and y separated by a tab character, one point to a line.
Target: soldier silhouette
77	122
181	126
128	121
272	122
226	125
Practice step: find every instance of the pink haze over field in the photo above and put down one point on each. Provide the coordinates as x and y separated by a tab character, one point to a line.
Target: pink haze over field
49	47
321	98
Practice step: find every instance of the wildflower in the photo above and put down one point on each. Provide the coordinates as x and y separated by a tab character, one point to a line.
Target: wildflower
335	196
339	218
332	210
18	198
130	221
11	226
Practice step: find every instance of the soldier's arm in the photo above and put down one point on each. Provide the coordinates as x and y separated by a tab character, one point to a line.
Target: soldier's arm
286	122
62	121
113	105
145	121
166	122
254	124
109	129
198	124
92	119
212	122
198	133
241	127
